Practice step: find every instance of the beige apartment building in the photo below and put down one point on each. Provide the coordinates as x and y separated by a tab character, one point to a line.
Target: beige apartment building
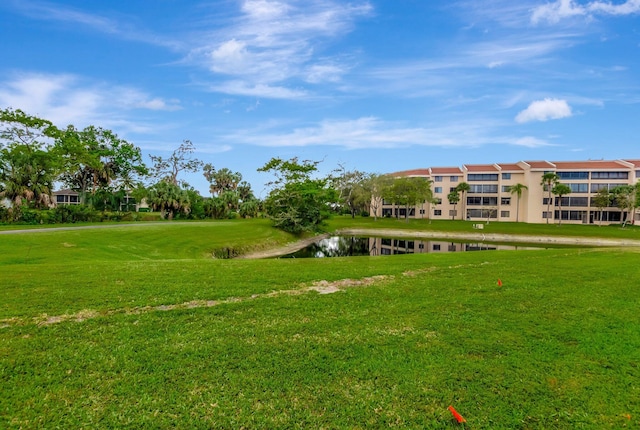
489	199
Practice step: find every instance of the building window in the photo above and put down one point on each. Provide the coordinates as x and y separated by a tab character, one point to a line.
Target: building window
436	247
505	201
506	176
546	215
573	201
59	199
609	175
438	178
573	175
482	201
579	188
597	187
506	188
482	177
483	188
452	189
504	214
422	211
437	190
453	178
637	173
437	212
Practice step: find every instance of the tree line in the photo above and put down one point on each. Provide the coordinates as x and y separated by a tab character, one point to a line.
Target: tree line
107	172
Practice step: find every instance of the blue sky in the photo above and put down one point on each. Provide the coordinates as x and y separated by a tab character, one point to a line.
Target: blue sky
377	85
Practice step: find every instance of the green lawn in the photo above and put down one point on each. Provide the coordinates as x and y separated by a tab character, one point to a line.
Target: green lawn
140	327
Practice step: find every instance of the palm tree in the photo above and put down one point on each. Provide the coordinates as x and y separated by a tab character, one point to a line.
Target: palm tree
454	198
517	189
560	190
549	179
462	188
601	201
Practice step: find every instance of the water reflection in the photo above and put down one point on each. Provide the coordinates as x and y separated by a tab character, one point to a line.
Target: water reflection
349	246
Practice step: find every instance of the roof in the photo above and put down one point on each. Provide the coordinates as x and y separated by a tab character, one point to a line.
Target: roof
414	172
540	165
65	192
445	170
589	165
480	167
509	167
636	163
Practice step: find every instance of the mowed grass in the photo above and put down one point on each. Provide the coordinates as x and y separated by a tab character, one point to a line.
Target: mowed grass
142	328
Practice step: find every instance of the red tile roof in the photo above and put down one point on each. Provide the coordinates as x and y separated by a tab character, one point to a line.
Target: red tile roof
636	163
540	165
589	165
480	167
414	172
509	167
445	170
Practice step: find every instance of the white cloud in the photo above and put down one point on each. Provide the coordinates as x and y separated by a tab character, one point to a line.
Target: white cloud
530	142
561	9
67	99
273	42
543	110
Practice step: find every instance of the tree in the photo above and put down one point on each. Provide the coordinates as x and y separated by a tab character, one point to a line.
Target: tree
28	167
221	180
560	190
377	187
409	191
181	160
351	189
517	189
602	200
625	199
168	198
454	198
549	179
96	159
298	202
462	188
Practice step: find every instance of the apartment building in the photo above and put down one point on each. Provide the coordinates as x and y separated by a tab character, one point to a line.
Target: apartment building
489	196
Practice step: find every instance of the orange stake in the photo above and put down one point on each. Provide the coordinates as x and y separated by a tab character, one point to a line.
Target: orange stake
499	283
456	415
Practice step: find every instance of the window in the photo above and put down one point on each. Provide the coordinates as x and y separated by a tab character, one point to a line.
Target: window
573	175
422	211
505	188
483	188
609	175
437	212
482	177
453	179
574	201
579	188
597	187
436	247
504	214
482	201
482	213
438	178
74	199
386	242
505	201
437	190
59	199
546	214
637	173
452	189
506	176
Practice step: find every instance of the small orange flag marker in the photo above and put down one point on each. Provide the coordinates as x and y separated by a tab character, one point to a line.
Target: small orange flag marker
499	283
456	415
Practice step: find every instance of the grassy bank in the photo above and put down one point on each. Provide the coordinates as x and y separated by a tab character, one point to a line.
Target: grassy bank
142	328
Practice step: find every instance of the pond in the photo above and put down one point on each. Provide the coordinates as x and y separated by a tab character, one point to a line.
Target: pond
349	246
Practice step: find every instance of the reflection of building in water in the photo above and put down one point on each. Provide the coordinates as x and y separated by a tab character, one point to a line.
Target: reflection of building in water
385	246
